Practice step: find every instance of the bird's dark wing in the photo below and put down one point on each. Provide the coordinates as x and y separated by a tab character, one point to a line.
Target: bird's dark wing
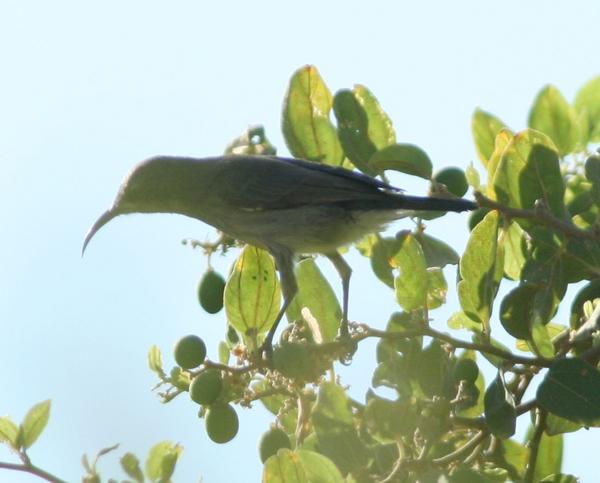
266	182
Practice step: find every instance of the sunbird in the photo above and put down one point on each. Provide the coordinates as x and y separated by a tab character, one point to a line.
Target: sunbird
286	206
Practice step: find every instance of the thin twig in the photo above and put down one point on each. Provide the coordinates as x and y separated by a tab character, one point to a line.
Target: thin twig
31	469
534	446
463	450
428	331
540	215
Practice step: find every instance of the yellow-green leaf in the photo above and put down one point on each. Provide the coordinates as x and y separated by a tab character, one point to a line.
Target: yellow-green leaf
501	143
380	128
485	128
528	171
477	288
412	282
353	130
284	467
406	158
315	293
252	294
9	432
587	104
555	117
307	129
34	423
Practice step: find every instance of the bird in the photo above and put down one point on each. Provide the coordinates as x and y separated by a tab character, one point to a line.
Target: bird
286	206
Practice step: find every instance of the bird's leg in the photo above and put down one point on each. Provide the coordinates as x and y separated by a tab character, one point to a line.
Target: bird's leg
345	272
289	287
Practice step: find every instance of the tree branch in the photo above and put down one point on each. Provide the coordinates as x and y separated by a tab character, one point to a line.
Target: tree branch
31	469
428	331
540	214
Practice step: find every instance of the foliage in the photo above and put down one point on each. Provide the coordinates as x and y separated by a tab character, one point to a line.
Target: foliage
536	234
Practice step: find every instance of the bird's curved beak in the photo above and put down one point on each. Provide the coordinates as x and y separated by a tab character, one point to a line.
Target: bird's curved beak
100	222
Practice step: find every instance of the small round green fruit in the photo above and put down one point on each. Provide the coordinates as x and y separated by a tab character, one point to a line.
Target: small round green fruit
272	441
210	292
476	216
222	423
454	179
206	387
190	352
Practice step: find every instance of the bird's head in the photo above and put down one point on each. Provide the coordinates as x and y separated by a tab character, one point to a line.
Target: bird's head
163	184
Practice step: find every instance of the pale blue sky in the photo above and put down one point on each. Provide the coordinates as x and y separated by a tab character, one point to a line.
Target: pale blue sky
87	89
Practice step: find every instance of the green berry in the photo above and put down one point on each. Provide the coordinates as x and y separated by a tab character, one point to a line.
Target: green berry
190	352
206	387
272	441
222	423
454	179
210	292
476	216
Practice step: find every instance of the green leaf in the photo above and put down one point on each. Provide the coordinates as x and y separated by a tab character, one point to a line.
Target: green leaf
224	352
318	468
131	465
473	177
485	128
406	158
334	427
353	130
387	420
380	128
515	250
434	367
308	132
474	408
437	253
381	254
552	115
502	141
587	104
315	293
515	454
499	407
550	453
540	341
436	288
516	311
34	423
9	432
477	289
161	461
571	389
252	294
557	425
284	467
155	361
411	283
545	268
460	320
592	173
590	291
529	170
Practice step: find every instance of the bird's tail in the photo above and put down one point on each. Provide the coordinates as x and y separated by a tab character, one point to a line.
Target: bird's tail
419	203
